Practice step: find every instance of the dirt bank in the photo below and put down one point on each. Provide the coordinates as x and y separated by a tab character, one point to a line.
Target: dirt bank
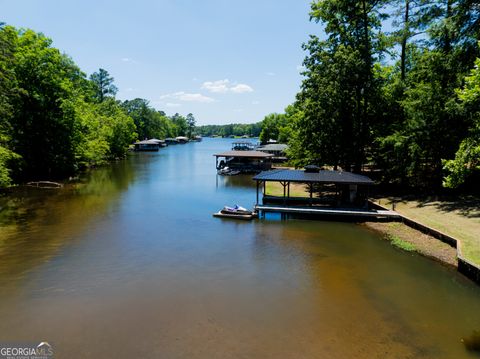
412	240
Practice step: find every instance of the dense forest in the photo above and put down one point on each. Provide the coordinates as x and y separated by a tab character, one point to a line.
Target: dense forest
236	129
54	120
393	87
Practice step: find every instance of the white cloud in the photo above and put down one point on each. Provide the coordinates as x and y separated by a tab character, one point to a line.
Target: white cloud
171	104
220	86
255	102
241	88
224	86
128	60
195	97
270	73
187	97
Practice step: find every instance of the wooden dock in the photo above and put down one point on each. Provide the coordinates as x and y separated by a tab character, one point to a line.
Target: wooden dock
340	212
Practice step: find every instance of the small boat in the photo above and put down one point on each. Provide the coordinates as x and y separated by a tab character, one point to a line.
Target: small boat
226	171
236	212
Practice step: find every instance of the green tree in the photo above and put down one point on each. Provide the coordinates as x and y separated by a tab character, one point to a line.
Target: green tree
467	157
149	122
8	91
339	96
411	19
42	124
190	125
417	145
271	126
103	85
180	124
102	131
121	128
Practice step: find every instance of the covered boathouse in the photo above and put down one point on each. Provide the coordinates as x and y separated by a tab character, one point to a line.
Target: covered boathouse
336	193
244	161
148	145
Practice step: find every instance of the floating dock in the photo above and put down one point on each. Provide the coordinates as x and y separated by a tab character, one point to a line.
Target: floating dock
245	217
339	212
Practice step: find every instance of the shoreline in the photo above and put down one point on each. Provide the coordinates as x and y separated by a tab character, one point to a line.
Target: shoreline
411	240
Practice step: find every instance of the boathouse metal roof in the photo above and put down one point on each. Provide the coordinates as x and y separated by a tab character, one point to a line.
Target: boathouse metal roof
149	142
324	176
245	154
280	147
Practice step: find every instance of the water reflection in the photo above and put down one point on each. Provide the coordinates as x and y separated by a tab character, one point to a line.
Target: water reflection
244	180
36	223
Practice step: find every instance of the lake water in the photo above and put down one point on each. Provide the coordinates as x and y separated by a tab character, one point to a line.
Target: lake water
131	263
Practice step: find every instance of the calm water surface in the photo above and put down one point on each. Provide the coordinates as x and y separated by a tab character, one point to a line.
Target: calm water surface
130	263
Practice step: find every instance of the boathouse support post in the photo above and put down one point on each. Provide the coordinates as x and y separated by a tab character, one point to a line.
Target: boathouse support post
284	184
366	197
258	187
264	191
310	188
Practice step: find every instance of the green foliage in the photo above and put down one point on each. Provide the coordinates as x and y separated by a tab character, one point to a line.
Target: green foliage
416	145
402	118
42	127
6	158
190	125
338	97
400	243
121	128
236	129
180	123
467	157
104	132
149	122
8	92
271	126
102	85
92	146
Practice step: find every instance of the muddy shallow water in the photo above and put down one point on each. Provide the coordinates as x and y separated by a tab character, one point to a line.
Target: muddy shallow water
130	263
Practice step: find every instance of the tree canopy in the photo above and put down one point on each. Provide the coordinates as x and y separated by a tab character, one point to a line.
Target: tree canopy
403	103
102	84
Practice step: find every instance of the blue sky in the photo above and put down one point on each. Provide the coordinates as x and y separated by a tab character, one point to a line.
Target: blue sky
223	60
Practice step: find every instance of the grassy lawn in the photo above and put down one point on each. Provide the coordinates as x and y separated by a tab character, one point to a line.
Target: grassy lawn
459	218
296	190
